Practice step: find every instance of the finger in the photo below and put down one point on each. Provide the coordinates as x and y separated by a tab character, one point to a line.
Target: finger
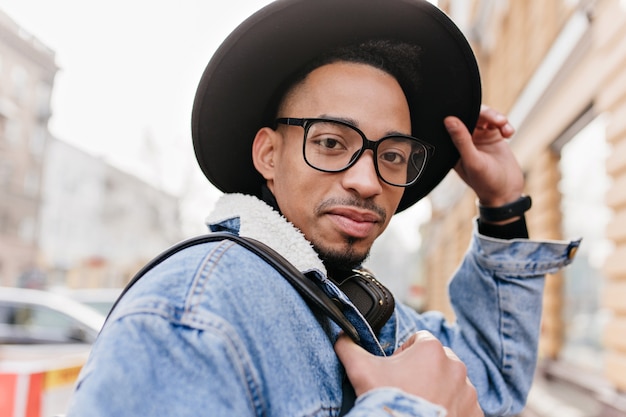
424	335
450	354
490	116
506	130
419	335
492	119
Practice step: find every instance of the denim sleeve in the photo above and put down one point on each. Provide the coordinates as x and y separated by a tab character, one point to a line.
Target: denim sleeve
497	298
391	402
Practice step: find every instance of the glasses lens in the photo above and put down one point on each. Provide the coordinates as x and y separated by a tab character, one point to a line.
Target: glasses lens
400	159
331	146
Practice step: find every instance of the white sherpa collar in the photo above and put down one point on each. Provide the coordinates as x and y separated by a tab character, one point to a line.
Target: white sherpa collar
261	222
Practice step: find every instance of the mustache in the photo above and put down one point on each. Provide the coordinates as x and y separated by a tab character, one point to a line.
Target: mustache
352	202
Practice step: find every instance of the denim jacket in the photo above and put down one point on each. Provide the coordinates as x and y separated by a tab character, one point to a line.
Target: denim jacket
215	331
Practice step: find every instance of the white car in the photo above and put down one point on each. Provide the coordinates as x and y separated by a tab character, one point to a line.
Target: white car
101	299
45	339
30	316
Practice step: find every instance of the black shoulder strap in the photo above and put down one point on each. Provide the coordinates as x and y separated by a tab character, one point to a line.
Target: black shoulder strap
307	288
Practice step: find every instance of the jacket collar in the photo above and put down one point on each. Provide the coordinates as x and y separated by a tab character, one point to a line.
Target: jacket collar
249	216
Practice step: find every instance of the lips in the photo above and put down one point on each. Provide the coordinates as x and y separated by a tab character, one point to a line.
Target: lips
353	222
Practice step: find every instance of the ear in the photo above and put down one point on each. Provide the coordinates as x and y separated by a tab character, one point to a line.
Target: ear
264	149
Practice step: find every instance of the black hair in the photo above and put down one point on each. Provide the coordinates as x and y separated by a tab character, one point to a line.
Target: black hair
398	59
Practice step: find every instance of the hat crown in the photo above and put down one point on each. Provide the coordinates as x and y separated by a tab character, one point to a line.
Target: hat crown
252	63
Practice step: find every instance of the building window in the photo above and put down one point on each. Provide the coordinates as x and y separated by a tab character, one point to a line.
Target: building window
44	93
583	186
4	221
3	128
6	174
6	224
31	184
19	80
38	140
12	132
27	230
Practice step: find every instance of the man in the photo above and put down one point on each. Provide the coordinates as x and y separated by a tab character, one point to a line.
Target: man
320	120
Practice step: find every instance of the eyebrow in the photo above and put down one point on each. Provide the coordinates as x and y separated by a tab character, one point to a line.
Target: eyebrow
355	123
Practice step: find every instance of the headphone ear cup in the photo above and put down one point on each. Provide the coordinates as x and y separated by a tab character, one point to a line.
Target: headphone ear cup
370	297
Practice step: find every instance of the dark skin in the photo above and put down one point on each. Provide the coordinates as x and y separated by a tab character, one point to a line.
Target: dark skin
487	164
422	367
343	213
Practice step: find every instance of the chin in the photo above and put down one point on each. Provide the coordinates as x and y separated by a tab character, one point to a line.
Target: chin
346	256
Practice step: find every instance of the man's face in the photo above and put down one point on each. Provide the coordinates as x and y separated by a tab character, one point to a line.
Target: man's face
342	213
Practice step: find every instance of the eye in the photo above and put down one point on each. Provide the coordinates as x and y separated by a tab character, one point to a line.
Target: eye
330	138
393	157
329	143
394	151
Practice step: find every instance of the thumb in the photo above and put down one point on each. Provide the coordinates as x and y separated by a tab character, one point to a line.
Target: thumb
348	351
357	362
460	136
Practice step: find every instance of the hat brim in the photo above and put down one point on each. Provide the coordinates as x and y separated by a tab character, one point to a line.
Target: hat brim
250	65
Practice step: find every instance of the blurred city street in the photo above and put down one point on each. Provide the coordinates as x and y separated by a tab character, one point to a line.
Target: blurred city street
98	175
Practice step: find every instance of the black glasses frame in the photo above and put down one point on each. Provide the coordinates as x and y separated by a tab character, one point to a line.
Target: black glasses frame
306	123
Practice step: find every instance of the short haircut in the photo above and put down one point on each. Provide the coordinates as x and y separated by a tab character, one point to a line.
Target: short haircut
398	59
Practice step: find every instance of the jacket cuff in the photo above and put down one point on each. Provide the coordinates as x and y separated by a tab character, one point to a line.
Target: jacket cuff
514	230
385	402
523	256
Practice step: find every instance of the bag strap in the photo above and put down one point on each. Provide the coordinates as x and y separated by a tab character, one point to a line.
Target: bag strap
305	286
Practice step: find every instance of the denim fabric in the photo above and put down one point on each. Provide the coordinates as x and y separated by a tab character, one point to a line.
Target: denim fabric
215	331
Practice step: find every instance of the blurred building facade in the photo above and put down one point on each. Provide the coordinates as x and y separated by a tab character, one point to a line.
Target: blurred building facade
99	224
27	71
66	217
556	68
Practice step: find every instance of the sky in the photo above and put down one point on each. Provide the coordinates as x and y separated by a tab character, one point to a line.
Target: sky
128	71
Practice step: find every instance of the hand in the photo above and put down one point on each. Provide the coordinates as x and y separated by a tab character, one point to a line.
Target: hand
421	367
487	163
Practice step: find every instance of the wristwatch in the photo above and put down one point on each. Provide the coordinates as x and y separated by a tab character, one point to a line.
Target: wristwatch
508	211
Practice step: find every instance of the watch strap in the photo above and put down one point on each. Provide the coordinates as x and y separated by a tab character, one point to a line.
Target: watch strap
508	211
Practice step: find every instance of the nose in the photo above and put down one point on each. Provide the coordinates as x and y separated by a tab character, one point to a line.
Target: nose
362	178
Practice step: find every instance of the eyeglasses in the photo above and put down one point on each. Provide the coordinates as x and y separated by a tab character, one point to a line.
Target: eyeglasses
334	146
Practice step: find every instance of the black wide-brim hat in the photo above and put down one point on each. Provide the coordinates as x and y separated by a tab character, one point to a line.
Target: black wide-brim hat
246	71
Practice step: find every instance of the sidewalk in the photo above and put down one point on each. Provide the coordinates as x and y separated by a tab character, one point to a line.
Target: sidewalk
555	397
